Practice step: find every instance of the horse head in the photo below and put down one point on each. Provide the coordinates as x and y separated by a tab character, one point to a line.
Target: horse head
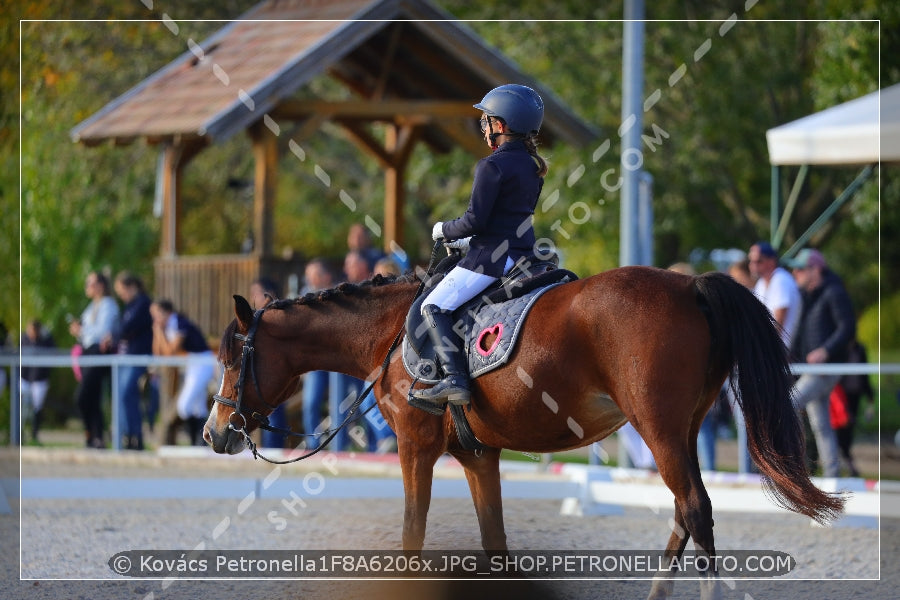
251	387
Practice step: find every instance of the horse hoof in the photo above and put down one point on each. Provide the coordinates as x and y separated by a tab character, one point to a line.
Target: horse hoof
662	588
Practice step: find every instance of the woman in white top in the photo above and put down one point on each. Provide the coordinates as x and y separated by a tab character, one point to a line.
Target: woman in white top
95	331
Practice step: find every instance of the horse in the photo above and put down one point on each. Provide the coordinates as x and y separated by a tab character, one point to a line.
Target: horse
638	344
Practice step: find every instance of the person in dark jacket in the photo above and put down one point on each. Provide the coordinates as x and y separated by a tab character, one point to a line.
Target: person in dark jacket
35	380
135	338
827	327
497	225
856	386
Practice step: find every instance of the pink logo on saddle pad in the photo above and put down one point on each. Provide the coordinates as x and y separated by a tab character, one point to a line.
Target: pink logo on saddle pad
497	331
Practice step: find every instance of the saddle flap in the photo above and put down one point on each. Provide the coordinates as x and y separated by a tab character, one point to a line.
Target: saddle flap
491	322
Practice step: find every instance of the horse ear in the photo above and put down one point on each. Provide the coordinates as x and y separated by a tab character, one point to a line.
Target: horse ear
243	312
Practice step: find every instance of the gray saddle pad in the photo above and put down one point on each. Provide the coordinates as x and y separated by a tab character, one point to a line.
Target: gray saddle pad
491	333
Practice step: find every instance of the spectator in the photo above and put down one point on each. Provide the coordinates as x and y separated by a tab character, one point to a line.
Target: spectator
345	389
35	380
94	331
359	240
740	272
775	288
387	267
826	328
856	386
135	338
175	334
263	291
4	336
315	383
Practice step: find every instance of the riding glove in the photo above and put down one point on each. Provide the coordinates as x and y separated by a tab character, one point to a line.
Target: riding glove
437	232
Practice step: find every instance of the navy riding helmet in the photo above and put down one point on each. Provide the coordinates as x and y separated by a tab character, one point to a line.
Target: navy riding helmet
520	107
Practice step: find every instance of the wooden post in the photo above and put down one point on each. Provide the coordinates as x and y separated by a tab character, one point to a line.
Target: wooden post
169	183
265	155
398	144
175	155
394	194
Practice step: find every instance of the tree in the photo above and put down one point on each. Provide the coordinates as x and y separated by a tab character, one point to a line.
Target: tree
721	84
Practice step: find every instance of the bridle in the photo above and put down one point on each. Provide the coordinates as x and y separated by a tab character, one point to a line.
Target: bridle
249	365
246	358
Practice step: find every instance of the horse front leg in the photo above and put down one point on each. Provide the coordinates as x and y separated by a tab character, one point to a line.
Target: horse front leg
417	464
483	475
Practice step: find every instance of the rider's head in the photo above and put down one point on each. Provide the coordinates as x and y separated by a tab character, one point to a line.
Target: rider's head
518	107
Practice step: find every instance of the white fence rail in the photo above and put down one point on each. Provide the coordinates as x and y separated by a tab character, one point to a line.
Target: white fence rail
56	359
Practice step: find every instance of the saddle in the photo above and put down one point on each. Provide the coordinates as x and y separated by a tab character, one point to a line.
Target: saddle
489	324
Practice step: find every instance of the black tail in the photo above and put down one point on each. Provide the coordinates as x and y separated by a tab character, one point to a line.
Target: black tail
746	343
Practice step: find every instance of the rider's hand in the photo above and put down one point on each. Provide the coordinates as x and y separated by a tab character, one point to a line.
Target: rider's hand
437	232
461	244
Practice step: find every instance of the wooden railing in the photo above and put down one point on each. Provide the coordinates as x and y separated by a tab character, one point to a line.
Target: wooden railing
202	287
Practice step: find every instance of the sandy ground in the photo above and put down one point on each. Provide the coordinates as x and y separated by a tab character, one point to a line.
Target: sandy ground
73	539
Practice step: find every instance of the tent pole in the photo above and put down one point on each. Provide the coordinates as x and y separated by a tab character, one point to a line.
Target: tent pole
775	208
829	212
789	207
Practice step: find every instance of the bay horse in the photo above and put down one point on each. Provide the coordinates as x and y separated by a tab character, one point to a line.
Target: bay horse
636	344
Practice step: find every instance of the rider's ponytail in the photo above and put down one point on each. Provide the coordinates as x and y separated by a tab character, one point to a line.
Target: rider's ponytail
540	161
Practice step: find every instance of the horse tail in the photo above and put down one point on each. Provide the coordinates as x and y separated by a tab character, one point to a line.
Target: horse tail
747	344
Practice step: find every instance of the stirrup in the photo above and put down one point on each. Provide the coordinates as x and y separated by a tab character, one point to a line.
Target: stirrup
432	409
450	389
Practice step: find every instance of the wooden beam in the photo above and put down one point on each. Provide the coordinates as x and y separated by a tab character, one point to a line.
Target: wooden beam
387	62
358	134
385	110
472	144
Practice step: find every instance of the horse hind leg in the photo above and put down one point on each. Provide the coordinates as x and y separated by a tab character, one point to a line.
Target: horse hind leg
483	475
693	517
663	586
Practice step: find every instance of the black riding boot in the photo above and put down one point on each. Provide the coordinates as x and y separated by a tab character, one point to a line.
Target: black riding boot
454	387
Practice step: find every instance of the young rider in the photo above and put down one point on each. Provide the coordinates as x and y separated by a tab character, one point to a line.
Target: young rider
498	222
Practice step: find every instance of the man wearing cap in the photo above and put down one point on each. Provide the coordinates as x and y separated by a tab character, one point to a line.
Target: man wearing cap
775	288
827	326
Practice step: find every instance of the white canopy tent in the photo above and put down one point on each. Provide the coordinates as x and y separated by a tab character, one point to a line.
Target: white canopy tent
864	131
847	134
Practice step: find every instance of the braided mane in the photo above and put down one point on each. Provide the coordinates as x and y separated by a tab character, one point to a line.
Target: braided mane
342	290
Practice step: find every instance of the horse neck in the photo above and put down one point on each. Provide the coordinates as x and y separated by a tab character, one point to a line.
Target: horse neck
349	333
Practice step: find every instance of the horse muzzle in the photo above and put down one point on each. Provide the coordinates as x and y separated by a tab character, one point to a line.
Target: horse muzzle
225	439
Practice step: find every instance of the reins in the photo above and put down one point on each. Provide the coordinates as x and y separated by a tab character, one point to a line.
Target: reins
263	422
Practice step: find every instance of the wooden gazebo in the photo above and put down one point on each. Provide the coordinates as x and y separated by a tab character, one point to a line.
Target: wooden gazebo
412	69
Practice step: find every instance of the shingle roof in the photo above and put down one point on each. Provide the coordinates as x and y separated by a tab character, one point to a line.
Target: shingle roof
380	49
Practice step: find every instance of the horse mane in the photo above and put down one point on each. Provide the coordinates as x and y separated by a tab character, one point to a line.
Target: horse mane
315	298
342	290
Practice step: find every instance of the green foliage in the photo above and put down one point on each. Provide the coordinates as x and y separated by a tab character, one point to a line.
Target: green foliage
86	208
869	326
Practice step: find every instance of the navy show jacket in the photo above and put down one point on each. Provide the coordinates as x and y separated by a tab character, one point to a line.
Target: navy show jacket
499	217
